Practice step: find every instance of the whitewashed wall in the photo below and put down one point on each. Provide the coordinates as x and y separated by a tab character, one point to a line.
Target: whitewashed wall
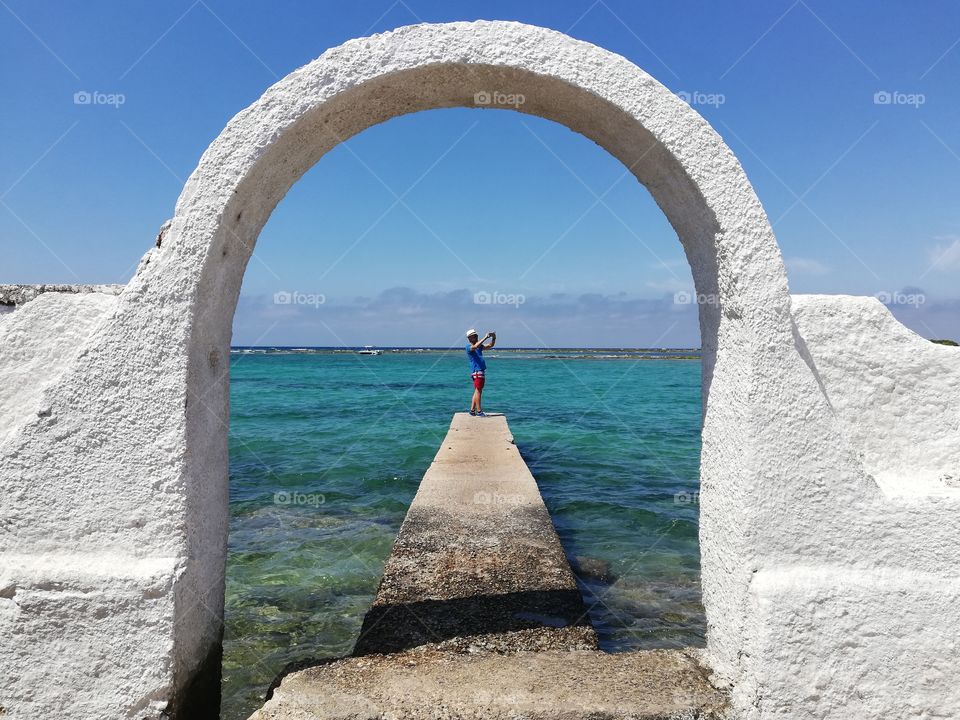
113	465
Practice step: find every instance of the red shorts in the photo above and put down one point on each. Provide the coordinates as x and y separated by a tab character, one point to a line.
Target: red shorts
478	381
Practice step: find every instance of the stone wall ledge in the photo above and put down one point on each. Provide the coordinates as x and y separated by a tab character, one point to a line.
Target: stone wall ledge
14	294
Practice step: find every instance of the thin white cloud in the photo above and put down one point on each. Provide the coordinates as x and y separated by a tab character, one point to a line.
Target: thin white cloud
669	286
806	266
945	255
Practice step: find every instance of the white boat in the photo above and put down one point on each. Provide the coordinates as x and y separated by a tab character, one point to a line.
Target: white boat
369	350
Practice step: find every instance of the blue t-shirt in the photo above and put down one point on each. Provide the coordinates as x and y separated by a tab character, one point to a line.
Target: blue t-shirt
477	363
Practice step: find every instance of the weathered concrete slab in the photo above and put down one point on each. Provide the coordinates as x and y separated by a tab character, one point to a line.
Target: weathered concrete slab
477	563
428	683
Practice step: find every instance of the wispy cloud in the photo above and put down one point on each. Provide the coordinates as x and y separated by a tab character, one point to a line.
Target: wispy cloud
945	255
406	316
806	266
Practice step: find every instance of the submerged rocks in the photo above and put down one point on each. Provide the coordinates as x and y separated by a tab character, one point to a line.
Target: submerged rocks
590	569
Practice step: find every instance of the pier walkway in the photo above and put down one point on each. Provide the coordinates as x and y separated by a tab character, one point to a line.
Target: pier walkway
477	560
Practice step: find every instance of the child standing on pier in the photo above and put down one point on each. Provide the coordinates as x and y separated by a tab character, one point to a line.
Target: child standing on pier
478	366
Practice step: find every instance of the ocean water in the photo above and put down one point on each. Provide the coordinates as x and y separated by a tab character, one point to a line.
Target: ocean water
327	449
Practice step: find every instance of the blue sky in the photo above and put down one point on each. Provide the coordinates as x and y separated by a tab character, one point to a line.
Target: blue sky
863	195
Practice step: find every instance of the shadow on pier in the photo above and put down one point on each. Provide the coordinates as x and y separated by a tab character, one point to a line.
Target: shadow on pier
554	614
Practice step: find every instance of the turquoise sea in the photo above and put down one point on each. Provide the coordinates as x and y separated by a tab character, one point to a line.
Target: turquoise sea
327	449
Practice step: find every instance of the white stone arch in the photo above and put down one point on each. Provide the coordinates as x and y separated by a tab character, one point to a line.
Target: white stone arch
671	149
247	170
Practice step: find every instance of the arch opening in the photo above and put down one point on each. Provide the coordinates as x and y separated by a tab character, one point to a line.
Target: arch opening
625	615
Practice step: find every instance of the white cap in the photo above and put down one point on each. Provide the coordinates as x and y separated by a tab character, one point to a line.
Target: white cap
471	331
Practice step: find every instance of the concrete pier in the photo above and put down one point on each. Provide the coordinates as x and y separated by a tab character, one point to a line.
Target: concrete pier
477	562
478	615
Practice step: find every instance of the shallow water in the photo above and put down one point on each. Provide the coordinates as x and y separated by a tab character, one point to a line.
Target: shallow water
327	450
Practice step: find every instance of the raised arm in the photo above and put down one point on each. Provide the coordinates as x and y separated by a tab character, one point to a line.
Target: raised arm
493	340
479	343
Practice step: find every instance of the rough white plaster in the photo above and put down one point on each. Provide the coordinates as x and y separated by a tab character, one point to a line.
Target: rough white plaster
854	611
39	343
135	435
894	392
847	642
103	621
